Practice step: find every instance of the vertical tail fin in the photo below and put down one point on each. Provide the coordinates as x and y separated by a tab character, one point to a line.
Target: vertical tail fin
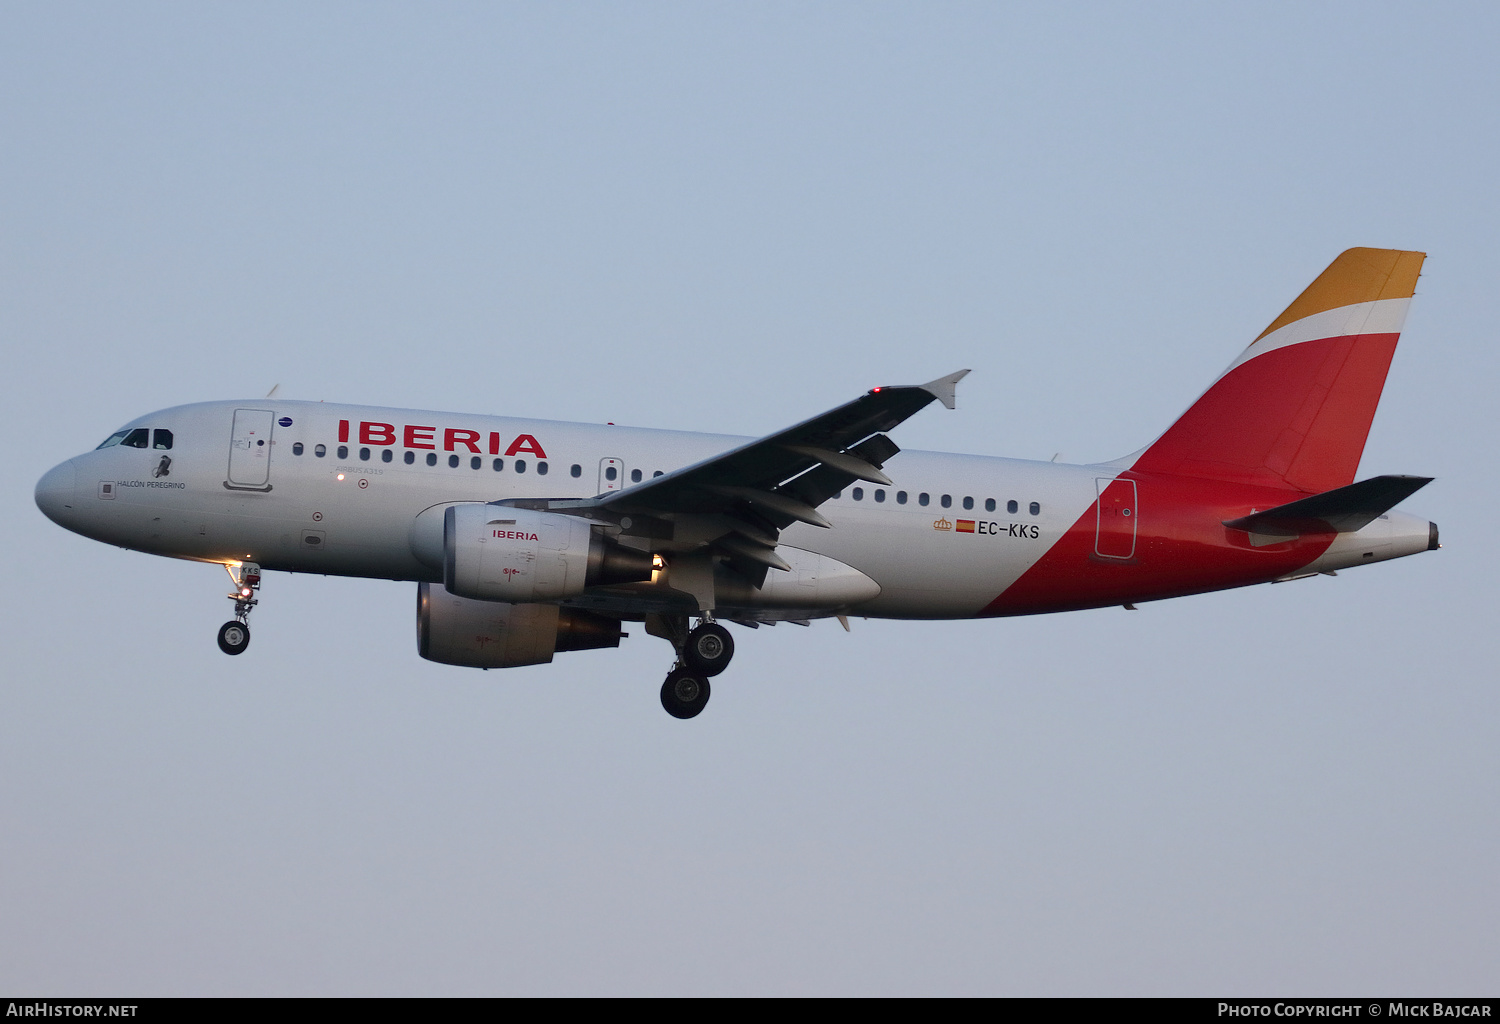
1295	408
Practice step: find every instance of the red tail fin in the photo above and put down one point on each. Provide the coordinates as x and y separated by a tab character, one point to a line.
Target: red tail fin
1295	408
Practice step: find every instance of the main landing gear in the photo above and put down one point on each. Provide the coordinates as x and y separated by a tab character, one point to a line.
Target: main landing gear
234	635
702	652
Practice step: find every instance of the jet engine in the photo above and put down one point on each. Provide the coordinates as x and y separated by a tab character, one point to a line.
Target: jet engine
493	634
501	553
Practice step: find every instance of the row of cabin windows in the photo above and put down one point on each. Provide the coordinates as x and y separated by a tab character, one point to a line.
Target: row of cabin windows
140	437
410	457
946	500
612	474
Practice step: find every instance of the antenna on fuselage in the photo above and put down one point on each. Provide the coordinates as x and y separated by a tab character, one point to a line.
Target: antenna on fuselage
272	392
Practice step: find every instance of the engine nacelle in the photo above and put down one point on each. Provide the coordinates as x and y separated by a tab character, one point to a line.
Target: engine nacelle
500	553
493	634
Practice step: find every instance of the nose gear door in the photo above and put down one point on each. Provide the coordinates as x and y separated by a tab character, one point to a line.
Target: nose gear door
250	450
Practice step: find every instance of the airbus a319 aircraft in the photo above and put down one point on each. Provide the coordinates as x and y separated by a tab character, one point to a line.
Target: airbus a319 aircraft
527	538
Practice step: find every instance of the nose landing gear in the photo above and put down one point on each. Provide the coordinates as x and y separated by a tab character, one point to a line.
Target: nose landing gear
234	635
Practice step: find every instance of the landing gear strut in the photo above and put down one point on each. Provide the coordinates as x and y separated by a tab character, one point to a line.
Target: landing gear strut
234	635
702	652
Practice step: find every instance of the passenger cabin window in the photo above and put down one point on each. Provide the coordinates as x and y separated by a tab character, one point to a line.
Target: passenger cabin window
857	494
541	469
297	448
947	501
610	472
968	502
387	455
499	466
656	474
1036	508
162	439
1012	507
577	470
923	498
364	455
635	476
901	497
140	437
432	458
475	462
343	451
453	462
409	458
989	504
879	494
520	465
320	451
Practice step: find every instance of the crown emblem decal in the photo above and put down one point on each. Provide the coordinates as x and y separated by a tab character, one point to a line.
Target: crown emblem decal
942	524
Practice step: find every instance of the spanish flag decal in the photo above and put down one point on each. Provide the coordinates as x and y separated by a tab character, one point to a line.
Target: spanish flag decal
966	526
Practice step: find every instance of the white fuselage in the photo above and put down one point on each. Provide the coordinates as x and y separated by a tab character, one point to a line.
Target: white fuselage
951	533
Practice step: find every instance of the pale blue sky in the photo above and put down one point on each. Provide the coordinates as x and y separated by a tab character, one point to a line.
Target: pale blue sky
729	217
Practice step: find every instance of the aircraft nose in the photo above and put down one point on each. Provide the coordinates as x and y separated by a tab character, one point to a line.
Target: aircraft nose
55	492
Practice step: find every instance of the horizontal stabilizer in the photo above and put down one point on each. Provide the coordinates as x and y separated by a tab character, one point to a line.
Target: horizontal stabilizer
1342	510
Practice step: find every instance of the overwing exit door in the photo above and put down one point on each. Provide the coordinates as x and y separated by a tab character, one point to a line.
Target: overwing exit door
611	475
250	450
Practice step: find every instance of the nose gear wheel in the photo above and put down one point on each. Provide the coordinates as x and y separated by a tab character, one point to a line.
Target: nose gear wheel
234	637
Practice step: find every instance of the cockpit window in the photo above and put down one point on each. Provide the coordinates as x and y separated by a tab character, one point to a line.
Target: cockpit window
140	437
162	439
113	439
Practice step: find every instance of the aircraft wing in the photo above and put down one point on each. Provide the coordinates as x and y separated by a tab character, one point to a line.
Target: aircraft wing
765	474
739	501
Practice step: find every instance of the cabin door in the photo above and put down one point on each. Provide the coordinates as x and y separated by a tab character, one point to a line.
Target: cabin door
1116	520
250	450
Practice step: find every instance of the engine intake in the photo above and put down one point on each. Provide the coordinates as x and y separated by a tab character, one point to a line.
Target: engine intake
500	553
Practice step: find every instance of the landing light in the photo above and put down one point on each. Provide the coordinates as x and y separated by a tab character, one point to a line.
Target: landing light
341	476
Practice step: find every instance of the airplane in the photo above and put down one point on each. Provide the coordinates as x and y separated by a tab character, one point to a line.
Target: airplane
528	538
